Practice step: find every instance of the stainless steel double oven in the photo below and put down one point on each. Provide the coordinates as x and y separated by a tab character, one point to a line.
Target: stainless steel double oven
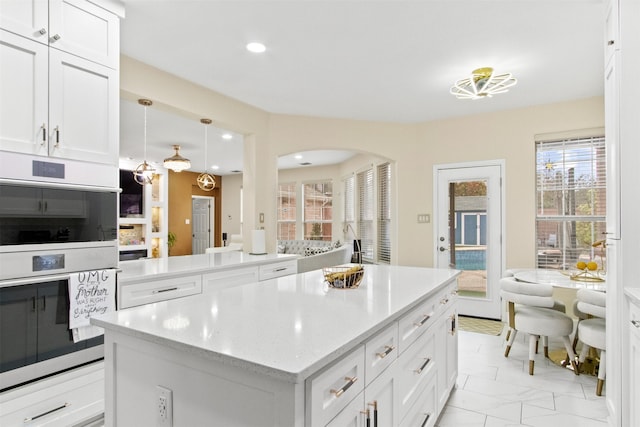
57	218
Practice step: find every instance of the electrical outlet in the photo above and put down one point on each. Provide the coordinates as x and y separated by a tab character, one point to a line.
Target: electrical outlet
165	407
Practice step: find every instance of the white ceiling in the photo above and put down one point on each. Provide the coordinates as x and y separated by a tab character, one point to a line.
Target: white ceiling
391	60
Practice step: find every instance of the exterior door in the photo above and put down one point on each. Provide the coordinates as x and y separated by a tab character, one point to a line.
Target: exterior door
202	224
469	232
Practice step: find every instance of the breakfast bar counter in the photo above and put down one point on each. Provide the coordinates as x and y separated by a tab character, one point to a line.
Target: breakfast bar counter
251	354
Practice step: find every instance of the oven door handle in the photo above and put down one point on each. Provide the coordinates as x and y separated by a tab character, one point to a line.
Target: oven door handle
41	279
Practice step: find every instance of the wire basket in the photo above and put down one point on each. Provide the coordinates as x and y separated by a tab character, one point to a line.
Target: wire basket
344	276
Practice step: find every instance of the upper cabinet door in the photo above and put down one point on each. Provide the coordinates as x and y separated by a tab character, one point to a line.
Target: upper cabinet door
612	138
28	18
611	28
83	109
23	103
85	30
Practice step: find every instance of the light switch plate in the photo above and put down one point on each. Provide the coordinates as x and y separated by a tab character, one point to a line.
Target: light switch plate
424	218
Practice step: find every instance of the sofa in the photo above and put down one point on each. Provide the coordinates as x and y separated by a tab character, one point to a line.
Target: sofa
316	254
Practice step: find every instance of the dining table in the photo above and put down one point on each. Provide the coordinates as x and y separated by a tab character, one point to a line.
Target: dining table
561	279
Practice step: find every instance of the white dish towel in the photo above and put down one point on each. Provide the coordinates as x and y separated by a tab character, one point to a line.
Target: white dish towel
90	293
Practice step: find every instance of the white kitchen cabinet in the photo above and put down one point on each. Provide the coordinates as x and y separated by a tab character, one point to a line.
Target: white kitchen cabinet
278	269
147	292
447	345
416	365
425	412
212	282
377	404
612	111
332	390
54	102
634	364
67	399
75	26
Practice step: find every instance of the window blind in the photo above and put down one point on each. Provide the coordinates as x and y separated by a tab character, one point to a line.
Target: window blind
570	200
366	212
384	213
287	204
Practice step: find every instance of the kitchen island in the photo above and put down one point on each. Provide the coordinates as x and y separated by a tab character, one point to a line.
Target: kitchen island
288	352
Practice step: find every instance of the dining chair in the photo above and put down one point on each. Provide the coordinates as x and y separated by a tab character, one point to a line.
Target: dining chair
530	310
592	331
557	305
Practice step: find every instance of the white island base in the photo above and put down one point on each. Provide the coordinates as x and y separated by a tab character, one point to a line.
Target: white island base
288	352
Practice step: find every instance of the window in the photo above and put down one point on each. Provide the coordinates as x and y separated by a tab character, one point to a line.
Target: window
384	213
571	195
366	212
318	210
286	212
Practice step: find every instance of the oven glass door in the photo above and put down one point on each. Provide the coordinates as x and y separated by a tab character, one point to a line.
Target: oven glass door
33	215
34	324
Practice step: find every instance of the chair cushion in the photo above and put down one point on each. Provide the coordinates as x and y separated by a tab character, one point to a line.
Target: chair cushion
542	321
592	332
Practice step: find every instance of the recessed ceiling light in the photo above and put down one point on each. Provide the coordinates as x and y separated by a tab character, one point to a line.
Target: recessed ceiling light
256	47
298	156
227	136
215	167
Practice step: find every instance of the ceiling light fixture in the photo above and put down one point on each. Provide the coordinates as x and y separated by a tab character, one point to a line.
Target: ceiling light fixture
206	181
143	174
177	163
227	136
482	84
256	47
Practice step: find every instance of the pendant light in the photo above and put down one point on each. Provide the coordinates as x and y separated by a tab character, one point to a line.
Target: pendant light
144	173
177	163
206	181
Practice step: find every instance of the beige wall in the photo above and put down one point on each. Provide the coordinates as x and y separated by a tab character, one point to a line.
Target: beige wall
415	149
231	221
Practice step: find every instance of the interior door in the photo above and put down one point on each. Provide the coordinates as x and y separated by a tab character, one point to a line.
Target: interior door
469	234
202	224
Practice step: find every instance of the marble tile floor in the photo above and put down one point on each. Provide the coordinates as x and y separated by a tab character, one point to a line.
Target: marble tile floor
494	391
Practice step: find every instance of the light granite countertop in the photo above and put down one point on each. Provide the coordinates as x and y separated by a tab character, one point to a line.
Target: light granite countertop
161	268
285	328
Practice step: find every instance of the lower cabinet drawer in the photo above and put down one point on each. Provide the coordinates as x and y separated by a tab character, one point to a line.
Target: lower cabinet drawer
278	269
61	400
212	282
423	413
332	390
351	415
413	324
416	365
380	352
158	290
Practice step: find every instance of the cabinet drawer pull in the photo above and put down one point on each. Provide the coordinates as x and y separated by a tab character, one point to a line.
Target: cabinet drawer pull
424	365
158	291
345	387
424	423
375	412
42	31
54	38
389	349
444	301
279	269
26	420
635	323
423	321
57	130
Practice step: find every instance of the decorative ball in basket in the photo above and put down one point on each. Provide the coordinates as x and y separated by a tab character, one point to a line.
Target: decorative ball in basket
343	276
